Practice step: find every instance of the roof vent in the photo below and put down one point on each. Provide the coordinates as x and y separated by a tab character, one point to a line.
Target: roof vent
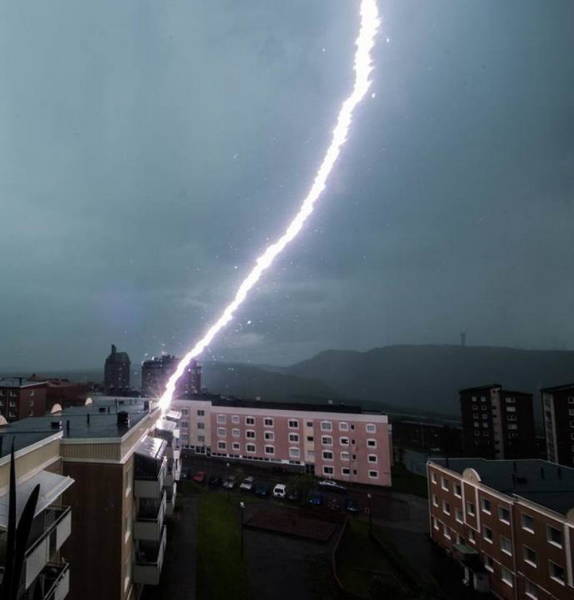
56	424
123	419
102	409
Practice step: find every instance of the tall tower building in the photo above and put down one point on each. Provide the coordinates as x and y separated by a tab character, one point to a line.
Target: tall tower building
497	423
117	373
157	370
558	412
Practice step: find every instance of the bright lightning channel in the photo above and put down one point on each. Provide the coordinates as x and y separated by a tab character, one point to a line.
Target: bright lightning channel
363	66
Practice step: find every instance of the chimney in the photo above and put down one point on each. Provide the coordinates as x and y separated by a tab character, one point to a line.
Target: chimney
113	348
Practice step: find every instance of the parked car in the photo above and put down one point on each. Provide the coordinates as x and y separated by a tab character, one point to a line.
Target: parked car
315	499
199	477
280	490
247	484
262	489
229	482
214	481
332	485
293	494
351	505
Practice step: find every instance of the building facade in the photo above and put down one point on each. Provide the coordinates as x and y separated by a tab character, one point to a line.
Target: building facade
20	398
157	370
509	524
497	423
558	415
331	441
117	373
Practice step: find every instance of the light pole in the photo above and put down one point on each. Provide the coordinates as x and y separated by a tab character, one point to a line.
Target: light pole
242	511
370	497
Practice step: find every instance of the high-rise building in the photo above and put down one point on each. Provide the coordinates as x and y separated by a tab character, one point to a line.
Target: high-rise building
157	370
558	412
117	373
497	423
509	524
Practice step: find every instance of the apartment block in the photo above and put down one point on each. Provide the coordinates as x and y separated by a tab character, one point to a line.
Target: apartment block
497	423
46	573
123	455
20	398
329	440
117	372
509	524
558	414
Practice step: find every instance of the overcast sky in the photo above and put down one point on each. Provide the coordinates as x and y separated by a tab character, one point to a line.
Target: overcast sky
149	150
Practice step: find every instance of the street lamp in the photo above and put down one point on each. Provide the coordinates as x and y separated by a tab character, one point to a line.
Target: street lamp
370	497
242	510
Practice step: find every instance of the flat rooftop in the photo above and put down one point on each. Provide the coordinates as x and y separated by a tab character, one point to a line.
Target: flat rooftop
299	406
97	420
546	483
21	439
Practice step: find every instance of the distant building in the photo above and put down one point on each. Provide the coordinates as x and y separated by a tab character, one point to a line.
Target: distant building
330	440
558	411
157	371
61	392
497	423
117	373
20	398
509	524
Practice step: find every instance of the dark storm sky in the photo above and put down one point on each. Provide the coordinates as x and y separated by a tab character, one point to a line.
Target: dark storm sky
149	150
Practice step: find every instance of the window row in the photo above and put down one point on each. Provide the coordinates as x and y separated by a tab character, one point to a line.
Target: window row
328	470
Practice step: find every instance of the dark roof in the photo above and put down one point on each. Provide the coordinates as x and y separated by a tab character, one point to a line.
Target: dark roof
241	403
540	481
21	439
103	419
558	388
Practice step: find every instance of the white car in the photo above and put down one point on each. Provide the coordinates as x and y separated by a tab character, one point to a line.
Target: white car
280	490
329	483
247	484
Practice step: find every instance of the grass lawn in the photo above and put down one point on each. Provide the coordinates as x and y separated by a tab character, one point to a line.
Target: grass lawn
408	483
221	572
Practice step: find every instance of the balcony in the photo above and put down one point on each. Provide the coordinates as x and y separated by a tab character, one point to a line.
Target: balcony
151	486
171	494
149	561
148	525
150	469
173	472
53	583
50	529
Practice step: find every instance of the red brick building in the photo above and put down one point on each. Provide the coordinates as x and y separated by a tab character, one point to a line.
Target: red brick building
20	398
509	524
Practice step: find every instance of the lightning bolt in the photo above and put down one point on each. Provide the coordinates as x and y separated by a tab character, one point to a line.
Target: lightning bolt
363	65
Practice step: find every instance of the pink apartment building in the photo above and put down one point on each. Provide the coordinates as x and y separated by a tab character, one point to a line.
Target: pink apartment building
332	441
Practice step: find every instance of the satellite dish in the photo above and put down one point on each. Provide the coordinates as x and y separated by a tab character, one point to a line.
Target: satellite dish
88	402
3	421
56	408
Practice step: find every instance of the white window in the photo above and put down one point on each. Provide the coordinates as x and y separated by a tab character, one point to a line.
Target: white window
487	534
184	412
344	456
201	439
327	470
504	514
511	409
512	427
486	506
488	563
235	433
458	515
506	545
345	471
343	426
269	436
221	419
269	450
530	590
221	445
527	523
249	420
293	424
235	419
554	536
200	413
370	428
326	426
507	576
445	484
435	524
268	422
432	475
529	556
446	532
371	443
201	425
250	434
326	440
557	572
294	453
445	507
294	437
344	441
235	446
458	490
373	474
250	448
221	431
434	500
471	536
372	458
327	455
